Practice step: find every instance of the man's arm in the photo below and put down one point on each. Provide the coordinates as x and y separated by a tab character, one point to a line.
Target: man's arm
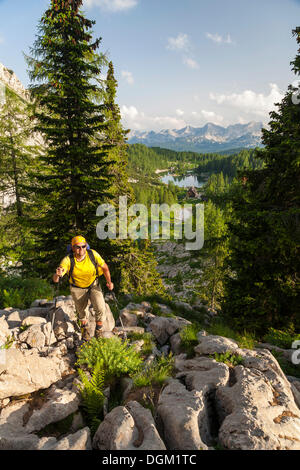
58	274
106	273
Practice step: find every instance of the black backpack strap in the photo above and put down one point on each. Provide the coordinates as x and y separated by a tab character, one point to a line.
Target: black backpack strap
93	260
72	264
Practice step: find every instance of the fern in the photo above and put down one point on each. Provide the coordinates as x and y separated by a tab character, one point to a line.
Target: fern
114	357
92	395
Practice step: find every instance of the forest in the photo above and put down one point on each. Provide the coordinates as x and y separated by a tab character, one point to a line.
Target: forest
250	258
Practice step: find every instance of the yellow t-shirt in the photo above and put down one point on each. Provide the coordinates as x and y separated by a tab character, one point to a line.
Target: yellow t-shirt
84	272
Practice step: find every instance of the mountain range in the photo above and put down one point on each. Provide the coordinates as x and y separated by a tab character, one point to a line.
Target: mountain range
209	138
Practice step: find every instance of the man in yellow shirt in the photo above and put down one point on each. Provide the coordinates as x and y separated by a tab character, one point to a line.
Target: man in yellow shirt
83	267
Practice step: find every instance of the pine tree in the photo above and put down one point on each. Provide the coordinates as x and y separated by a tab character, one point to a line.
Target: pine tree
263	289
65	66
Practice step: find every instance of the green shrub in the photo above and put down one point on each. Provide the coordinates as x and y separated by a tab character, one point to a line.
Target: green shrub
20	293
156	373
148	339
245	340
228	358
114	357
280	338
287	367
189	340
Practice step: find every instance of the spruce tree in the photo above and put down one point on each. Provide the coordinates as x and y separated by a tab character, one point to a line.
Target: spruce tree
65	67
263	289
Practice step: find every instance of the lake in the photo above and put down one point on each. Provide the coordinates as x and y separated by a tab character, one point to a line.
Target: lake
184	181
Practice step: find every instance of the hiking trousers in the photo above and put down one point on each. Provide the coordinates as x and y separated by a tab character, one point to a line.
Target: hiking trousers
82	296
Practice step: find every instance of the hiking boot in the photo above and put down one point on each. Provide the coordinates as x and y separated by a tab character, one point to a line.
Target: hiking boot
85	333
99	332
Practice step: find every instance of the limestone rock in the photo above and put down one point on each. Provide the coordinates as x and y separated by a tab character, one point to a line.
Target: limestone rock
23	374
33	336
215	344
128	428
33	320
60	404
81	440
258	415
4	330
164	327
178	411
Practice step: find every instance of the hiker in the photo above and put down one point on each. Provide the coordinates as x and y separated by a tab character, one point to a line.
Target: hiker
84	266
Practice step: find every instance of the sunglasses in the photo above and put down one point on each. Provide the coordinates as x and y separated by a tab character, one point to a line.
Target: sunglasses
77	247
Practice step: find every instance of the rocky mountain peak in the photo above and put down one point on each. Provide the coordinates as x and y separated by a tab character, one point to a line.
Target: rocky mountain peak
9	78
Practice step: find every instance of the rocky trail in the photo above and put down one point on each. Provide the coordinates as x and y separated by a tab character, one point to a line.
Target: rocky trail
207	404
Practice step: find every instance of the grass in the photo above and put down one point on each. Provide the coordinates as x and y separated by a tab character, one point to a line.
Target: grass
228	358
280	338
287	367
156	373
20	293
148	339
57	429
189	339
245	340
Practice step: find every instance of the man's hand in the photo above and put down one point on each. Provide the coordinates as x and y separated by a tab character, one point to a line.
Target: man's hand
58	274
60	271
110	285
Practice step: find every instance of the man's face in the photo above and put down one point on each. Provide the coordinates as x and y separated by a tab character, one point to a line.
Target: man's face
79	249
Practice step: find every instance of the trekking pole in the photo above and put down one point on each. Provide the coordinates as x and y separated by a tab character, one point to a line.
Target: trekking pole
53	315
117	304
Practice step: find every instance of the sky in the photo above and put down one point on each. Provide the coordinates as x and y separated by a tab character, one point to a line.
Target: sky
179	62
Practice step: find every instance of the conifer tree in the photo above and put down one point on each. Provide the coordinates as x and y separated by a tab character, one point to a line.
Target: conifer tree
132	263
65	67
263	289
17	155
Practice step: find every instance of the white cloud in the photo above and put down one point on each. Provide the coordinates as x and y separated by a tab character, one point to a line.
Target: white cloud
111	5
1	40
207	116
180	43
251	102
179	112
219	39
191	63
127	76
138	120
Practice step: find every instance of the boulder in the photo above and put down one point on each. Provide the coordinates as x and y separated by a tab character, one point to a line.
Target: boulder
33	321
59	404
258	413
128	319
164	327
215	344
4	330
33	336
22	373
128	428
178	410
81	440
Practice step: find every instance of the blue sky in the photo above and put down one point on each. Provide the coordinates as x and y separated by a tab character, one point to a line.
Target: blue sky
179	62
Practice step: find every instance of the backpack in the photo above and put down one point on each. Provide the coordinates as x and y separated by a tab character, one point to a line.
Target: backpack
72	261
